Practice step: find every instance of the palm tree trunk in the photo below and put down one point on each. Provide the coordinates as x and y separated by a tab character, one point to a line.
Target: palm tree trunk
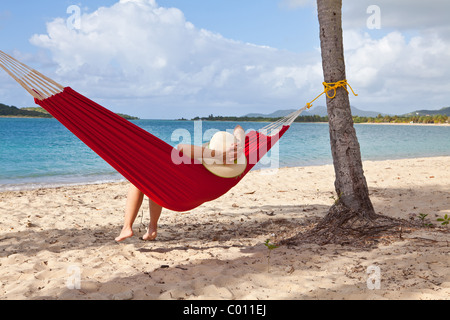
350	183
352	219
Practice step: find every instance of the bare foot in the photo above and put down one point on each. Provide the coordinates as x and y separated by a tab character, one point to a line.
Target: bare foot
124	234
150	235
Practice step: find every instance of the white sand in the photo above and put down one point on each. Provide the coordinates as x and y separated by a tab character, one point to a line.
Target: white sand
50	236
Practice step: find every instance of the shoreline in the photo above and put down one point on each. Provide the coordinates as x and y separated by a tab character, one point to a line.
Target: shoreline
38	186
407	124
257	121
27	117
120	179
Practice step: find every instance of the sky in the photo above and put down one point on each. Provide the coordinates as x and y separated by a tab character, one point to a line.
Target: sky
168	59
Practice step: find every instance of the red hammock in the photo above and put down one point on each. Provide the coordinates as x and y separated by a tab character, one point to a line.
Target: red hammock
142	158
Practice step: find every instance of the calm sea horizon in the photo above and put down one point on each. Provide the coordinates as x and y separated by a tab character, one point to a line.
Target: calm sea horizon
37	152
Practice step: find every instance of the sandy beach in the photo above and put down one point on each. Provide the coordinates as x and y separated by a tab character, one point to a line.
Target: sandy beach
59	243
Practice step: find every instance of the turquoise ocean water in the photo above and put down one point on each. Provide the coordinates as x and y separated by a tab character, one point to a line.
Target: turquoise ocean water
42	153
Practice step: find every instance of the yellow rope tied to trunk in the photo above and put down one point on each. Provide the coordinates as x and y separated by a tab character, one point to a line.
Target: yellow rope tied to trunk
329	87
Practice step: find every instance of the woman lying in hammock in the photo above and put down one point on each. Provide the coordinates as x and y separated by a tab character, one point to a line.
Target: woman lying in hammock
135	197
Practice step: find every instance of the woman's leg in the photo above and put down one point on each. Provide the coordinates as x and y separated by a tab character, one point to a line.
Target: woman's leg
155	213
134	202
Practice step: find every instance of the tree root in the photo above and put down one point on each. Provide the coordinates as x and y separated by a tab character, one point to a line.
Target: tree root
346	227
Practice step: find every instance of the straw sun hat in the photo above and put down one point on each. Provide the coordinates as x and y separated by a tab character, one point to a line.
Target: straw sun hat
221	141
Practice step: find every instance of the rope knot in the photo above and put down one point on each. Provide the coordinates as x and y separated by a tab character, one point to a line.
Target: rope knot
332	86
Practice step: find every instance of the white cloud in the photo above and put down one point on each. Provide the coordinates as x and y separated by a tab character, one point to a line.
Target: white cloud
404	63
402	66
397	74
136	53
138	50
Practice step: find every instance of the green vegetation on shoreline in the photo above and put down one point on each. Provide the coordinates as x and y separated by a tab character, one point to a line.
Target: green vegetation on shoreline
438	119
314	118
11	111
38	112
356	119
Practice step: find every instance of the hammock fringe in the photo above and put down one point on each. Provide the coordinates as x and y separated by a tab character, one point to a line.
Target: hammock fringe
34	82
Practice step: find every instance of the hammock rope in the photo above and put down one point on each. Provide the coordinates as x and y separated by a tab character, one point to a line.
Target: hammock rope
328	86
290	118
34	82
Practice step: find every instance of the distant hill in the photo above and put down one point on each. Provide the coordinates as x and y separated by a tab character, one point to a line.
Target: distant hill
276	114
443	111
36	109
11	111
320	111
37	112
